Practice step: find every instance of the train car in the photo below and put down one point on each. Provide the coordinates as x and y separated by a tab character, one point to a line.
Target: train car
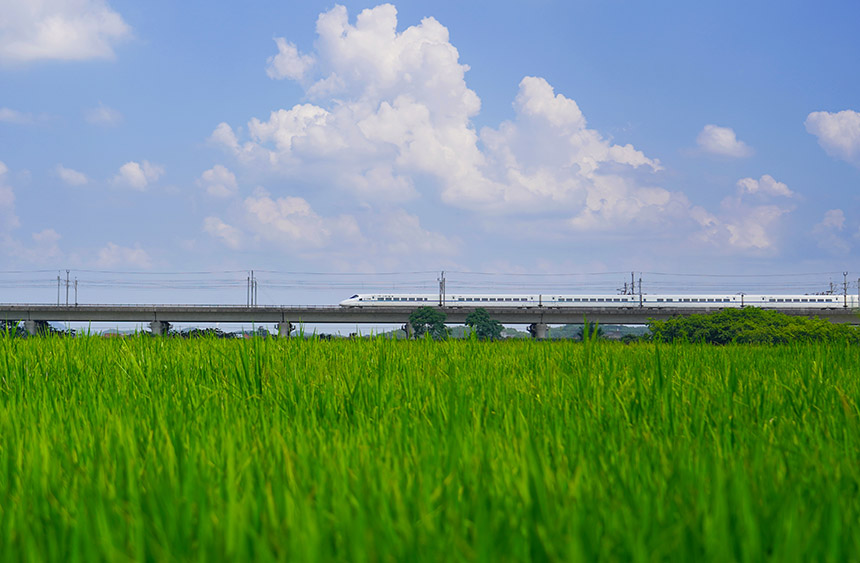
667	301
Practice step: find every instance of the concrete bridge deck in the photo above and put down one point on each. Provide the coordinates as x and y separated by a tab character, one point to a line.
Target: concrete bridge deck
343	315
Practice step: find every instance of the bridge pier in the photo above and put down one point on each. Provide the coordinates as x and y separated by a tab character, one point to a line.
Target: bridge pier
32	327
538	331
284	329
159	328
407	328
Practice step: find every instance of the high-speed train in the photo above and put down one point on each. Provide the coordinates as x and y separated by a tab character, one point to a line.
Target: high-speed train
680	301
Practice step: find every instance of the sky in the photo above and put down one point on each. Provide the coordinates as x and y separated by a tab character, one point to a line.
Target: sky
169	139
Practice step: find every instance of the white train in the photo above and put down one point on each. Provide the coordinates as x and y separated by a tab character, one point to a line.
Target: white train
679	301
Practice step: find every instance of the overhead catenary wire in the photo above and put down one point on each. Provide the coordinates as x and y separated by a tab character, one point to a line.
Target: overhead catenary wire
282	285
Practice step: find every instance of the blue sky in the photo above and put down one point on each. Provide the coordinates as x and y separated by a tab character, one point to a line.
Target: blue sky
514	137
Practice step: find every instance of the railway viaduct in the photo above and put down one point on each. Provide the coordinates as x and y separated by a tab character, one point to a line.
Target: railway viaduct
159	317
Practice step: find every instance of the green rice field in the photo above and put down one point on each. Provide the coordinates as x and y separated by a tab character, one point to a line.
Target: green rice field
381	450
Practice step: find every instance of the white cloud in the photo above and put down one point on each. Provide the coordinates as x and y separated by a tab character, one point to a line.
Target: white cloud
45	245
395	107
48	236
103	115
722	141
288	63
12	116
8	218
113	255
138	175
752	228
59	30
291	221
231	236
827	232
838	133
71	177
390	119
743	225
43	250
218	181
402	234
766	185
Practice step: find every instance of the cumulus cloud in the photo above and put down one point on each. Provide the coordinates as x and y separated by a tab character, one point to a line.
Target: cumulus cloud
229	235
12	116
8	218
138	176
218	181
288	63
745	222
71	177
838	133
59	30
827	232
393	107
752	227
765	185
113	255
722	141
403	234
44	248
291	221
547	159
103	115
389	118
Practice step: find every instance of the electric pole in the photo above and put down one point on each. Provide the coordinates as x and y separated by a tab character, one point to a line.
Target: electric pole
67	288
845	290
441	281
251	289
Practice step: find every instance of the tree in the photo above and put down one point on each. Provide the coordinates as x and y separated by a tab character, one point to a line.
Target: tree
485	328
589	331
427	320
750	325
12	328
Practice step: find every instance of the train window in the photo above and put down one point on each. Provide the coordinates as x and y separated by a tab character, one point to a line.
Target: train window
659	299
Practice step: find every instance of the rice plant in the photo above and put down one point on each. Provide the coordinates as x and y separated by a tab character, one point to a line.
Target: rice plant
382	450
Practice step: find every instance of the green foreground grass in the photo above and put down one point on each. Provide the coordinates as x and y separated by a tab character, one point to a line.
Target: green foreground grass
155	449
